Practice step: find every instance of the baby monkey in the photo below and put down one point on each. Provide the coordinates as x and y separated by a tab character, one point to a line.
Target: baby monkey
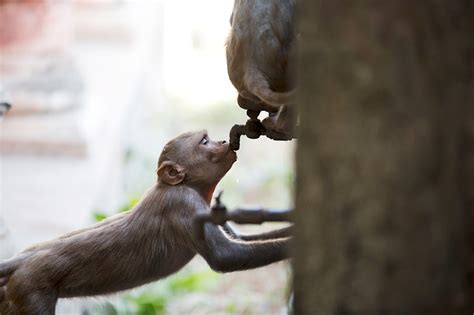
147	243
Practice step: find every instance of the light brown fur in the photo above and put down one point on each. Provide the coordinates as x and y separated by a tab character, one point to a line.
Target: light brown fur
260	58
151	241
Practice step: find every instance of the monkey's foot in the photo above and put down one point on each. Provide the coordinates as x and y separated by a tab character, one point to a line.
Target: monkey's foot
280	126
279	136
275	132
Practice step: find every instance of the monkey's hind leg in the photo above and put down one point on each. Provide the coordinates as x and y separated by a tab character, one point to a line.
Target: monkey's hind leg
27	294
33	304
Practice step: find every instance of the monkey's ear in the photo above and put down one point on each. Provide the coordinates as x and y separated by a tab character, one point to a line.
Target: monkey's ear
171	173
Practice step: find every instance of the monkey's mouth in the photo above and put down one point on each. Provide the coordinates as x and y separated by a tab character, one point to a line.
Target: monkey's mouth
225	156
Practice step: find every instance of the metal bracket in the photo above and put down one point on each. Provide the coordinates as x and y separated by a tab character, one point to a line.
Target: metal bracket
219	215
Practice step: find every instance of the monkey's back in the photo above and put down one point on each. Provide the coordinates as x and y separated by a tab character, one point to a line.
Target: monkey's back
132	254
262	38
128	250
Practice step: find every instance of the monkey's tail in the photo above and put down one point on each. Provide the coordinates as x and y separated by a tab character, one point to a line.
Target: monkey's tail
258	85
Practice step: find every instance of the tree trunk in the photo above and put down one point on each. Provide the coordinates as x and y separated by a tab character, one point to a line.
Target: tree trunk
385	158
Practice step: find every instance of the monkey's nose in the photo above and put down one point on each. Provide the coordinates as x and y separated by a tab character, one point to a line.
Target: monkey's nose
223	142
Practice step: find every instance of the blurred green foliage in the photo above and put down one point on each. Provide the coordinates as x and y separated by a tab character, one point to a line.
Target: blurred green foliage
153	299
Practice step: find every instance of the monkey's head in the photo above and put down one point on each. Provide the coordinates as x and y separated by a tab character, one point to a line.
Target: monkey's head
194	159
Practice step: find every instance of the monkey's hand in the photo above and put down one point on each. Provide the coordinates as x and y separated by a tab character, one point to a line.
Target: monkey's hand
224	254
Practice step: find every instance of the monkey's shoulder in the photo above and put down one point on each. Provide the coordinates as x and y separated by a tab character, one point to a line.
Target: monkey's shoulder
182	198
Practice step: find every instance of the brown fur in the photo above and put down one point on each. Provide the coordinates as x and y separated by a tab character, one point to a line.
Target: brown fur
152	241
260	53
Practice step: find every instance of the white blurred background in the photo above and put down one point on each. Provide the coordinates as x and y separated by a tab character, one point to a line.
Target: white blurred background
98	87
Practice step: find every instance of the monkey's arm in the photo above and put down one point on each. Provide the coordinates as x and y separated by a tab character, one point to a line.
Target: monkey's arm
279	233
224	254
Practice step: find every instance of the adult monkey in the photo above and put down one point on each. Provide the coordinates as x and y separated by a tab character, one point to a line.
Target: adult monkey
260	53
152	241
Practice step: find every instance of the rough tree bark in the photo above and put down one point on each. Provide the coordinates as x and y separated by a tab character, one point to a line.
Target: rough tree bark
385	158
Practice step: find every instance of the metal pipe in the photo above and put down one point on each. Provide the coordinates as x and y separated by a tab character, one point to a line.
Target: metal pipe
219	215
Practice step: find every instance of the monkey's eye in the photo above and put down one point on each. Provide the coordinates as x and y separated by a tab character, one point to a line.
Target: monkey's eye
204	140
